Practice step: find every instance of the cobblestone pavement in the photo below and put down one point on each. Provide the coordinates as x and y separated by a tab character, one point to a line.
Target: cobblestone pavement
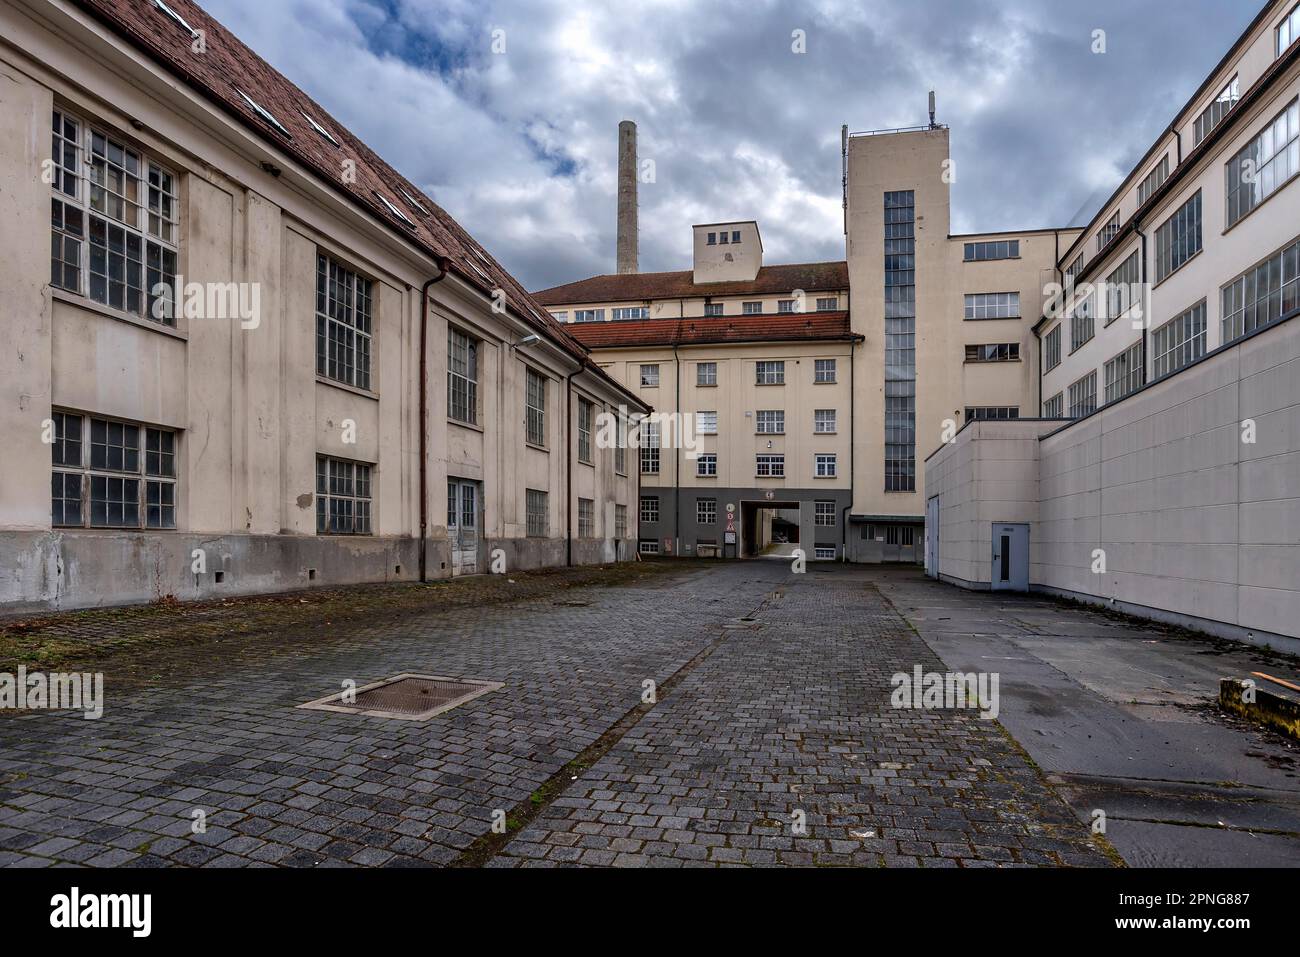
794	718
791	716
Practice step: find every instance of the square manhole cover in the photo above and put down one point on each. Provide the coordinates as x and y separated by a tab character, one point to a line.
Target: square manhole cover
410	697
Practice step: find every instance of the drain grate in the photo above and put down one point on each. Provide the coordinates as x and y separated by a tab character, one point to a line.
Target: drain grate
410	697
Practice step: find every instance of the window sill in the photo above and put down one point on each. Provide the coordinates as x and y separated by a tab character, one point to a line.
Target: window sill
539	448
343	386
590	465
768	385
1194	256
992	362
826	382
469	426
706	385
88	304
1262	203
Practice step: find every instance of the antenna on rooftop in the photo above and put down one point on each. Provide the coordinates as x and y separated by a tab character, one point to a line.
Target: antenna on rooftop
932	123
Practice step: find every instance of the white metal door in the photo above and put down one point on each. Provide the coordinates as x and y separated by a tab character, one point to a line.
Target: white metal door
1010	557
463	526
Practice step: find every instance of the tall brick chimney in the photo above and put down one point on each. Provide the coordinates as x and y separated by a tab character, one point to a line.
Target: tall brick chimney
627	227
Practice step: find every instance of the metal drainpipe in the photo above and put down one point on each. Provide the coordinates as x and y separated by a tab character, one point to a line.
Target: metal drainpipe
677	460
1146	306
853	453
444	266
568	469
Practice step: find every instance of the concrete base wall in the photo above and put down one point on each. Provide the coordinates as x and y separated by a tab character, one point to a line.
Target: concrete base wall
62	570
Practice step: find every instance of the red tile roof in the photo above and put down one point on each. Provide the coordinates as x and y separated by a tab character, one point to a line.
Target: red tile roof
228	66
639	287
798	327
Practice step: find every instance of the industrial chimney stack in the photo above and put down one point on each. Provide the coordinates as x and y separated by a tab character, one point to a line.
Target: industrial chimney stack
627	239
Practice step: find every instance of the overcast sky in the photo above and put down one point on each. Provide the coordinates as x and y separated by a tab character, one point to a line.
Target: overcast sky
521	146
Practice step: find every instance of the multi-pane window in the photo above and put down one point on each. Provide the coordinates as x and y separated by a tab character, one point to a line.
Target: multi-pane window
1054	408
1262	295
769	373
538	515
770	466
343	502
706	465
620	521
1153	180
650	376
825	553
993	352
999	249
706	373
1216	111
706	423
1083	396
630	312
585	415
824	371
752	308
561	314
903	535
828	304
1123	291
1288	30
649	508
115	228
824	514
1082	325
824	421
1179	238
1179	342
770	421
1073	271
1108	232
649	448
1124	373
535	407
825	466
713	308
785	305
589	315
586	518
993	305
462	376
988	413
1267	164
706	511
620	445
900	340
343	323
648	546
1052	349
104	478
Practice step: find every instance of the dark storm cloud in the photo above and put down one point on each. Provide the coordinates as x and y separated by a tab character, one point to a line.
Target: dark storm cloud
520	145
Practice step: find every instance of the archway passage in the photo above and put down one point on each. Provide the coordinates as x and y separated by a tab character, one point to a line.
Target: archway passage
769	529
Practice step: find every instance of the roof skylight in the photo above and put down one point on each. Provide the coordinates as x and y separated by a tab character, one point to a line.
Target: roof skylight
175	16
394	210
319	129
263	112
415	203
